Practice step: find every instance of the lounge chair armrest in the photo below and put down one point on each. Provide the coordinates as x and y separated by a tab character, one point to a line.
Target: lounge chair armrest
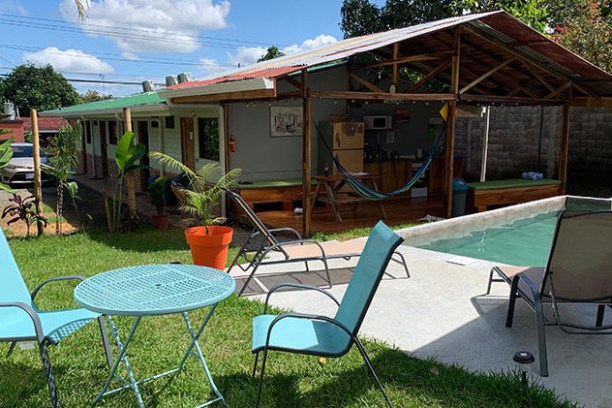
59	278
297	234
301	286
280	245
31	313
310	317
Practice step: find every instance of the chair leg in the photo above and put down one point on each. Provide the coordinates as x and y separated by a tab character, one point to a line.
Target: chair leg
255	365
512	301
105	342
490	281
306	263
540	325
371	368
49	373
261	375
327	272
246	283
403	262
11	348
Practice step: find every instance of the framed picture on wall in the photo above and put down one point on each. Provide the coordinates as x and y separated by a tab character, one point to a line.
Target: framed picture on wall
286	121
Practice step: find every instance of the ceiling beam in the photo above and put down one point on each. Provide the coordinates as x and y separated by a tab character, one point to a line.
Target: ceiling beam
381	96
363	82
428	77
485	75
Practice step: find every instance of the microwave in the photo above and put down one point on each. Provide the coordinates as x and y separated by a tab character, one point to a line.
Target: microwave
377	122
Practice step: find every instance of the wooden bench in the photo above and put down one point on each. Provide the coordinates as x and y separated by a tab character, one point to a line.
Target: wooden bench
505	192
284	192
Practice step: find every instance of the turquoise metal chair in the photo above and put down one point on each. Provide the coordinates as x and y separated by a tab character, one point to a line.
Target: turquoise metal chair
21	320
322	335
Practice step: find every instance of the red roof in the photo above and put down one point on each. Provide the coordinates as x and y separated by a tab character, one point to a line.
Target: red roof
44	123
263	73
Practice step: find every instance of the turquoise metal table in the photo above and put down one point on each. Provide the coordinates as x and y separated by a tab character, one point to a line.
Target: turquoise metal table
153	290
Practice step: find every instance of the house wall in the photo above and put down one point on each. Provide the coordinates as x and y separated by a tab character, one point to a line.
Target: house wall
263	157
15	127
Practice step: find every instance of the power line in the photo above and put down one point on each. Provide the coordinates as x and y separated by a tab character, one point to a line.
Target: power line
130	33
100	81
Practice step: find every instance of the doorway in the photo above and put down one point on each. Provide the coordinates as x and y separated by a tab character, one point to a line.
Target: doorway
143	137
103	148
187	143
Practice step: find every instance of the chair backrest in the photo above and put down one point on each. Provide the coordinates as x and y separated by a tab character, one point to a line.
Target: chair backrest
579	266
253	218
13	287
378	250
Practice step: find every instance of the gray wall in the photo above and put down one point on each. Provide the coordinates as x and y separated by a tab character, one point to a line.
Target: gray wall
528	139
262	157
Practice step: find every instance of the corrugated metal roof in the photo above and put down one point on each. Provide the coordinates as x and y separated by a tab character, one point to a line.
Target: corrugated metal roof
131	101
498	24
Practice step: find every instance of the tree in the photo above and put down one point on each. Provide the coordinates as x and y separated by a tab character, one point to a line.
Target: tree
30	87
585	27
63	156
531	12
271	53
360	17
93	96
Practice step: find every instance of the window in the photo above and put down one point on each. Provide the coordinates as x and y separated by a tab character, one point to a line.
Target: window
208	138
155	124
87	131
169	122
112	132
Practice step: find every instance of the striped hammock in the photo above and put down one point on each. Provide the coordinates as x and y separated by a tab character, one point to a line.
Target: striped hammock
371	194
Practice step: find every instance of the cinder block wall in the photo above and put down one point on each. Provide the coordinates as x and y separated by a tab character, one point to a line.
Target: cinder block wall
528	138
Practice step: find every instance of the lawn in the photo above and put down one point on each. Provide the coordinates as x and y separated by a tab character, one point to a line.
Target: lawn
291	380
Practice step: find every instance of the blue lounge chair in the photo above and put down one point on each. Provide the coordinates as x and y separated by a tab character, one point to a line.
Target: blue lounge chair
322	335
21	320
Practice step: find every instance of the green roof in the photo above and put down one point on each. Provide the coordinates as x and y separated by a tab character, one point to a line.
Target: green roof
147	98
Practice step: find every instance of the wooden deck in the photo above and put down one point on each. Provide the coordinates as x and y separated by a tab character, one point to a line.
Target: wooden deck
399	211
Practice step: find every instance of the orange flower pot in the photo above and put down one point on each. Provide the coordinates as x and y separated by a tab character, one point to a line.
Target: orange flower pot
209	249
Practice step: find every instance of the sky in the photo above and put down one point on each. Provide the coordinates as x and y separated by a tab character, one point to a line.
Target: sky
137	40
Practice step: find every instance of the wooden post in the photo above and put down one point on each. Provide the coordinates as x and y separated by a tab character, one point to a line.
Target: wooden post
226	135
395	72
564	147
449	149
131	185
306	159
37	175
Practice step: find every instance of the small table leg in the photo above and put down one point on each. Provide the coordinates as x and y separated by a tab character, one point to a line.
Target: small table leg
122	358
194	344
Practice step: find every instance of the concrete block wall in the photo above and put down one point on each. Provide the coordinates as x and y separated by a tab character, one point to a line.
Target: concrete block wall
590	149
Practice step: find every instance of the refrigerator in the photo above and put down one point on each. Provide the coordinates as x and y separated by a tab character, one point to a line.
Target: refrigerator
346	142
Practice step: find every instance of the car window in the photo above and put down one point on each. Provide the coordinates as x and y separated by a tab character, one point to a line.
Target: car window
24	151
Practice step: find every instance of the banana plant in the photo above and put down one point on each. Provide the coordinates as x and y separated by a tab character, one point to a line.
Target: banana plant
6	153
128	154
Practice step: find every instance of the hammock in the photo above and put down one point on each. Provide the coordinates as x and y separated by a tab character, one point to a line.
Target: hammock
371	194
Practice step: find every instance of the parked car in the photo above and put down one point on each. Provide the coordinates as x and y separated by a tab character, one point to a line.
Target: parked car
20	169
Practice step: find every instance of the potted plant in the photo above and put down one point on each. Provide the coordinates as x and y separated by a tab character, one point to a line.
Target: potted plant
209	241
157	194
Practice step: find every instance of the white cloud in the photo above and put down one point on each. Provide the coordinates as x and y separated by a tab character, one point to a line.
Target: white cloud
162	25
68	61
12	7
249	55
211	68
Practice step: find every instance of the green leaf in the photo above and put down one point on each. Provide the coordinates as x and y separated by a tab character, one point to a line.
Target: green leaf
6	153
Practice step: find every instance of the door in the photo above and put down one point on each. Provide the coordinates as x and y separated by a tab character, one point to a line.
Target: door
348	135
103	147
143	137
187	143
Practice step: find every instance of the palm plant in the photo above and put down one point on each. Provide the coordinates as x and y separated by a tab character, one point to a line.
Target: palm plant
207	186
21	210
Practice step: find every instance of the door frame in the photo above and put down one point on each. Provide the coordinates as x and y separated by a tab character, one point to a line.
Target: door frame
188	156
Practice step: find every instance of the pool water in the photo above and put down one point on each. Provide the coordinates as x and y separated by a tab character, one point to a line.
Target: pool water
524	242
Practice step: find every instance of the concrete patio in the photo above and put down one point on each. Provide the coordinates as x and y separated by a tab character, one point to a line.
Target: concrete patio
442	312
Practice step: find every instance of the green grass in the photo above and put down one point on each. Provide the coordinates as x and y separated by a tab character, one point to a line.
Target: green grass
353	233
291	380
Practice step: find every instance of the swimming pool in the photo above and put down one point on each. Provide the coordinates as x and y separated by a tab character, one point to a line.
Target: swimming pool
522	242
518	235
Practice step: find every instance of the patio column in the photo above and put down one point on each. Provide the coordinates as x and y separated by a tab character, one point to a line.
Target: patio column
37	176
306	157
564	147
449	149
